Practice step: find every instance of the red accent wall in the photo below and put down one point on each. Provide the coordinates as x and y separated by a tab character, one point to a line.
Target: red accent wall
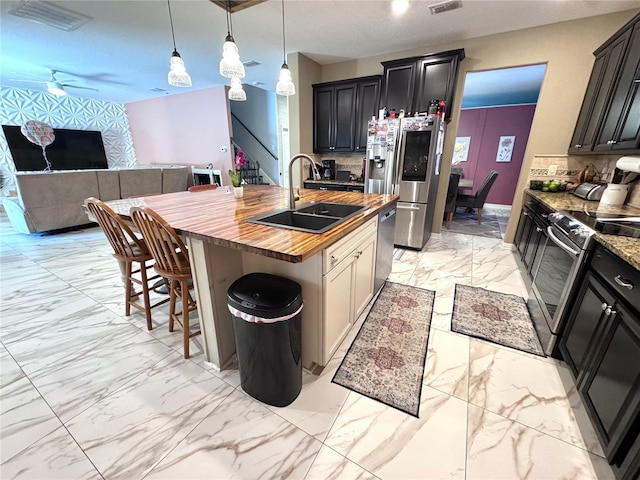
485	126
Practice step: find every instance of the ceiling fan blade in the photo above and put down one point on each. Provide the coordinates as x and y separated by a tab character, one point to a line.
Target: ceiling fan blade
25	81
66	85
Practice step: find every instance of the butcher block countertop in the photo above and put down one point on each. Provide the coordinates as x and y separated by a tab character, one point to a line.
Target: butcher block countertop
216	216
627	248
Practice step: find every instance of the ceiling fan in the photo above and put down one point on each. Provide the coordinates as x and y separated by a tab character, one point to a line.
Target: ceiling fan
53	85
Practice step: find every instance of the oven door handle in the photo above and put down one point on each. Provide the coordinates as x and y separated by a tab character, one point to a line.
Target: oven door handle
557	241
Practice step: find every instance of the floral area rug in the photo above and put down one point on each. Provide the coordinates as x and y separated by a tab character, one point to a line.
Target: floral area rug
497	317
386	360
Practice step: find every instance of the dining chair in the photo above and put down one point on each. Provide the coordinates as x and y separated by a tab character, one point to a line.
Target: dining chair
198	188
171	263
477	200
128	249
452	192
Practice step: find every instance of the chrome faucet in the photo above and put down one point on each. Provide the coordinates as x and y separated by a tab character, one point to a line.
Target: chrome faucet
316	174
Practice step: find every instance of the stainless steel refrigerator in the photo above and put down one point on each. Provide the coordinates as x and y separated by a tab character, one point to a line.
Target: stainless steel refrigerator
417	160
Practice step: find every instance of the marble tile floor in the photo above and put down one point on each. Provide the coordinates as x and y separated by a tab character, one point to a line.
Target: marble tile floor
494	221
86	393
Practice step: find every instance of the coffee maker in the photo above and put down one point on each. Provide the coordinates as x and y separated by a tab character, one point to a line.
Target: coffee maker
329	169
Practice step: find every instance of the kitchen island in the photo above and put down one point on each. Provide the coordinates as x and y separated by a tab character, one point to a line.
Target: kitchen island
335	268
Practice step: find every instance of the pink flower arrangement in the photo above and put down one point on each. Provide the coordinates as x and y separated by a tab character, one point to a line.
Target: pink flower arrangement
236	176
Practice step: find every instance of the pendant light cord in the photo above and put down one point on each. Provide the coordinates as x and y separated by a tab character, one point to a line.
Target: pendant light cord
229	28
284	50
171	21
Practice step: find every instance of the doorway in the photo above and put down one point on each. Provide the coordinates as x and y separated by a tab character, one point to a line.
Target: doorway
493	130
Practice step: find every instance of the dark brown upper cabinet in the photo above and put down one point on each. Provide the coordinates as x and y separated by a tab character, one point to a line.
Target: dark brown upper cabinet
341	111
609	119
409	84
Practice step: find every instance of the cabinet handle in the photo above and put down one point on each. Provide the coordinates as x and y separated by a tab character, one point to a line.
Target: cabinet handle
577	145
604	306
335	259
538	229
324	188
608	311
623	282
525	214
544	215
637	80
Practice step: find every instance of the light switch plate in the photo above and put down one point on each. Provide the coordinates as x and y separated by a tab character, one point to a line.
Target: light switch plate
553	169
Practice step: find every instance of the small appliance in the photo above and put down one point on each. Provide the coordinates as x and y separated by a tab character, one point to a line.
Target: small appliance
615	194
329	169
590	191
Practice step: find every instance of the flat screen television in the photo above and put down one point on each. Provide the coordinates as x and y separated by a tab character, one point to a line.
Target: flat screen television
71	150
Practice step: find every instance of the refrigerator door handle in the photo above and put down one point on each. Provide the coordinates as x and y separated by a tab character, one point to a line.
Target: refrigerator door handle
406	207
397	160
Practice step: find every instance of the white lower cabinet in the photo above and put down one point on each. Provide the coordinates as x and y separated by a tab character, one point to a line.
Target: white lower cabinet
347	286
337	284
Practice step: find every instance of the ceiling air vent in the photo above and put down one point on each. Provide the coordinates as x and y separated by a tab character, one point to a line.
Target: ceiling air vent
440	7
49	14
251	63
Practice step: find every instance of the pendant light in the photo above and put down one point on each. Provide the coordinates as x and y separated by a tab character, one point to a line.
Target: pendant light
230	65
178	76
285	85
236	92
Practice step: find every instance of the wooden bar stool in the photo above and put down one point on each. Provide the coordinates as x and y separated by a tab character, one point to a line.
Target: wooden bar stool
128	249
172	264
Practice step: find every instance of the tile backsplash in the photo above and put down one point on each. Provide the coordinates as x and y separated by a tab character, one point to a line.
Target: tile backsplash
568	167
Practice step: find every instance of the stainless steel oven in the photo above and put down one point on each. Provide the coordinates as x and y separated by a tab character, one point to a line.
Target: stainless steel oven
558	265
568	241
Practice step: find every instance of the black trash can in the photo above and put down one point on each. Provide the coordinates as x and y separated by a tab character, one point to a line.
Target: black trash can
266	321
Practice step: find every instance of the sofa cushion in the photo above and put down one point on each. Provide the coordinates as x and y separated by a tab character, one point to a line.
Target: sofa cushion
143	181
174	179
54	200
108	185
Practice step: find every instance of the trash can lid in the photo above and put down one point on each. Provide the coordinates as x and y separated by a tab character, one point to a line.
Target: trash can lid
265	295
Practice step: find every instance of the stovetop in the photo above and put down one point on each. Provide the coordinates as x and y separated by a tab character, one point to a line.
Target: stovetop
609	223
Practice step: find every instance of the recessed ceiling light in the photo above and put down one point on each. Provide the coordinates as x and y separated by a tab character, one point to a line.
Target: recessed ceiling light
399	6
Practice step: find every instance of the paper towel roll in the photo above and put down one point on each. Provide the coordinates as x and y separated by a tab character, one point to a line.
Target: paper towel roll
629	164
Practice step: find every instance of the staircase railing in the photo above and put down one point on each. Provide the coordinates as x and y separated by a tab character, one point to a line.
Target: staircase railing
245	140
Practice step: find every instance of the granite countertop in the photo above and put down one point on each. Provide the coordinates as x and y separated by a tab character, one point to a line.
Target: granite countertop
627	248
335	182
217	217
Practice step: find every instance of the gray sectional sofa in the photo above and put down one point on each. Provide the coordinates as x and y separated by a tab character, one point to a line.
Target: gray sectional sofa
54	200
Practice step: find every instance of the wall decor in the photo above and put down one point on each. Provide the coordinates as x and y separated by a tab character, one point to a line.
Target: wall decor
461	150
505	148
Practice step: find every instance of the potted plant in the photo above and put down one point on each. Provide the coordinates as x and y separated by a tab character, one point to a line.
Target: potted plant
236	175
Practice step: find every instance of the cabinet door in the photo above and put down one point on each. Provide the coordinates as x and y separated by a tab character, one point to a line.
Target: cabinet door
585	322
622	119
435	82
344	118
613	56
368	97
525	226
577	141
399	81
364	274
323	125
536	236
612	390
338	306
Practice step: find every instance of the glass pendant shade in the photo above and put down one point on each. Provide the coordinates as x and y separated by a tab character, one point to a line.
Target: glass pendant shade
230	65
285	85
178	76
236	92
56	89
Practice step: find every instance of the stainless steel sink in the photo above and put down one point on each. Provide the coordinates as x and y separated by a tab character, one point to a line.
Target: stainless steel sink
310	217
340	210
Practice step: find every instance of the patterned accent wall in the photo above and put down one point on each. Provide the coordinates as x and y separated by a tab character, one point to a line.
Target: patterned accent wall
19	105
